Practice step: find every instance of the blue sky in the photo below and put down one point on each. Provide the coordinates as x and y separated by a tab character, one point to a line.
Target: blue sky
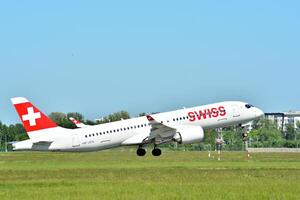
99	57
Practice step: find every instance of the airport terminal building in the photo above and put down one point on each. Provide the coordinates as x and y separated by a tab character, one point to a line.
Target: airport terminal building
283	119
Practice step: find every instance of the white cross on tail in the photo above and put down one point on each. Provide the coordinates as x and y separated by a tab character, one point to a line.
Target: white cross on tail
31	116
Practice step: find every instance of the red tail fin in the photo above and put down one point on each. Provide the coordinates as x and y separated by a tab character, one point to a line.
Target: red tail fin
32	118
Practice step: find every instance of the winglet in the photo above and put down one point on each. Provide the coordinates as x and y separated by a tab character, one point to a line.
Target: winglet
77	123
74	120
150	118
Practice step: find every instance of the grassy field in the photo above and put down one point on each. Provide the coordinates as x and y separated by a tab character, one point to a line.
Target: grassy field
121	174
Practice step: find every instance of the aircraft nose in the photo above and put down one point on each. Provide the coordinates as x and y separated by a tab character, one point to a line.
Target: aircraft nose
259	112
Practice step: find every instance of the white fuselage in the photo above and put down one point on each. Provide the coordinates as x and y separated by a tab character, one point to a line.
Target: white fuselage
133	131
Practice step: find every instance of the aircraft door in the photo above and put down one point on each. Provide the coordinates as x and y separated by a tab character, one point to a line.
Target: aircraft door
75	140
235	111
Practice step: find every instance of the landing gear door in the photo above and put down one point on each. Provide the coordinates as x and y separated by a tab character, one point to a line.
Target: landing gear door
75	140
235	111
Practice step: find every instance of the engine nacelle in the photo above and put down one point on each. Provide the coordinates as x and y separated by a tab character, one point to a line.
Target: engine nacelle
189	134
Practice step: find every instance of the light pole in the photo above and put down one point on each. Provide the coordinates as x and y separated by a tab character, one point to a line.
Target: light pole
209	150
5	143
1	143
219	142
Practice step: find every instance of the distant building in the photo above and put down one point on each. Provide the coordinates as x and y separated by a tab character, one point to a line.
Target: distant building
284	118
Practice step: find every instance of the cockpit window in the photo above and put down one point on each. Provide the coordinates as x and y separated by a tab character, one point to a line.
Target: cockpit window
248	106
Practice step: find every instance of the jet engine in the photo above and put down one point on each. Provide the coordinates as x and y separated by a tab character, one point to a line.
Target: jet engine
189	134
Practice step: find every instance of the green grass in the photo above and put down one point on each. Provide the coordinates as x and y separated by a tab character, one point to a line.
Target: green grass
121	174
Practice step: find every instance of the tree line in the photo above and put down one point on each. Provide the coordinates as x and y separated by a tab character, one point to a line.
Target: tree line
264	132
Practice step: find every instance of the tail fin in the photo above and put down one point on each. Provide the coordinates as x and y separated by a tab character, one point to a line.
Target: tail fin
32	118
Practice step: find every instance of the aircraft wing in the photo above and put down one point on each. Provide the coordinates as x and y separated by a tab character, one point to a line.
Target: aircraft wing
160	132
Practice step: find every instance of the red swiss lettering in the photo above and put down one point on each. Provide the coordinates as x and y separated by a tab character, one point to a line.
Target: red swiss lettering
222	111
191	116
201	114
215	112
208	112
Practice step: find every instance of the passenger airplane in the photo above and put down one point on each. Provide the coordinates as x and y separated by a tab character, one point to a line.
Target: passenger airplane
185	126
